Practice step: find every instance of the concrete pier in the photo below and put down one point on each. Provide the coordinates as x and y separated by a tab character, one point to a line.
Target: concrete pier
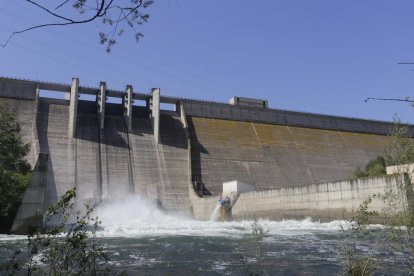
127	105
73	107
100	101
155	113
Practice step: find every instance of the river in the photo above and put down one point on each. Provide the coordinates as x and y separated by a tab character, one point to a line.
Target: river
141	239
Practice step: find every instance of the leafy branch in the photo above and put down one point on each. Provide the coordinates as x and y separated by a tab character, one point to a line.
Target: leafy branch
113	14
66	246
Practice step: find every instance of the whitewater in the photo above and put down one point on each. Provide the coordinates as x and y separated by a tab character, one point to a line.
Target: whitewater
142	239
139	217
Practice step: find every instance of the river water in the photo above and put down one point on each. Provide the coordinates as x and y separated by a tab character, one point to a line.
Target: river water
141	239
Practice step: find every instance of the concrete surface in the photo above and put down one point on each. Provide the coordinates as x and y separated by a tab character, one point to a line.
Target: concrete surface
127	105
30	212
274	156
155	113
404	168
73	106
101	100
236	186
324	201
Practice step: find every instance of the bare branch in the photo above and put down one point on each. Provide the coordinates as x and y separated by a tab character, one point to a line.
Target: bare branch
64	3
125	13
50	12
101	12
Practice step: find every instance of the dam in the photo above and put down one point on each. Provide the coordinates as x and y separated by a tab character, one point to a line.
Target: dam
179	158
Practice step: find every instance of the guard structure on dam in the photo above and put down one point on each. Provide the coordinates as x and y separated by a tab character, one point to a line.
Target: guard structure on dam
178	158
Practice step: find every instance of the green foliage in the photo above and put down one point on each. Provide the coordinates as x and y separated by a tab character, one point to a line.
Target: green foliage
399	151
12	149
257	239
355	263
69	246
397	236
115	17
401	148
374	167
14	170
257	231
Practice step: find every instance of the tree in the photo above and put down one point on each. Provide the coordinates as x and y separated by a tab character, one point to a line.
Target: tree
401	148
113	15
14	169
373	168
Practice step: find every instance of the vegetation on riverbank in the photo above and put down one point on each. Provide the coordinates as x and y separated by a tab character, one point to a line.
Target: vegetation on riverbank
14	169
396	236
67	246
374	167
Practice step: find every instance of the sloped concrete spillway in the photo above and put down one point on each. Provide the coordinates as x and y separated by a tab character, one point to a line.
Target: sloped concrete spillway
275	156
111	150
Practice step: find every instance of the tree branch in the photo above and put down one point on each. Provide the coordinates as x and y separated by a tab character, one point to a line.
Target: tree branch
101	9
50	12
126	13
62	4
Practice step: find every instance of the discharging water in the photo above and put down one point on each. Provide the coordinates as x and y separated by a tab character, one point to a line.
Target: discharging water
140	239
215	215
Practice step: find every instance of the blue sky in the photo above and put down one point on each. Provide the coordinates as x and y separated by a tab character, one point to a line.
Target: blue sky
314	56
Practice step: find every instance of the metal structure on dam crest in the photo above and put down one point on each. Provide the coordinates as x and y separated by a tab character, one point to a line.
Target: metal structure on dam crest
181	158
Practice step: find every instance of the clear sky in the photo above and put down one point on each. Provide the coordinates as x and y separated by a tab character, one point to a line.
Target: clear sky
318	56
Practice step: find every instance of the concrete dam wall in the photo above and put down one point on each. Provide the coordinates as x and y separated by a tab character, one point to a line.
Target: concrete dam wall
110	151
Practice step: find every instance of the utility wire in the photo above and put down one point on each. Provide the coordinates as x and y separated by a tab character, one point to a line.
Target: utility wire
72	55
129	58
407	99
209	88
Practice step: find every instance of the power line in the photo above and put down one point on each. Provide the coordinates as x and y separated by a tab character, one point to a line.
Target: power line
128	59
207	88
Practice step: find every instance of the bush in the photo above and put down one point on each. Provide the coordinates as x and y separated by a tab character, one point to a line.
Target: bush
374	167
67	247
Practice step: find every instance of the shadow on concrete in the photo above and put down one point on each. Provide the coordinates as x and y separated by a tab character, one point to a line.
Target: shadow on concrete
88	125
172	132
42	124
171	129
196	150
31	208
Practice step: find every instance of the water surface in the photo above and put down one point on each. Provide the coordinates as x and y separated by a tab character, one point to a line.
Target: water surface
141	239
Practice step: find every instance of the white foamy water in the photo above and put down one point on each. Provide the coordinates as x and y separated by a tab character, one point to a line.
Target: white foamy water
4	237
139	217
